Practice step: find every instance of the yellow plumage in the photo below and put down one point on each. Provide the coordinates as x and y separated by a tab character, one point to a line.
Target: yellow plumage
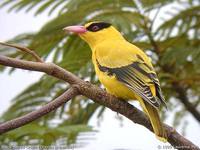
125	70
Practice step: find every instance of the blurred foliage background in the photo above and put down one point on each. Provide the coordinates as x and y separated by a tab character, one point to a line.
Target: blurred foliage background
168	30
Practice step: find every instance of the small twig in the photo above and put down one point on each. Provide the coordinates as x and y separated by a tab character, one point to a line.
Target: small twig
184	99
154	18
18	122
24	49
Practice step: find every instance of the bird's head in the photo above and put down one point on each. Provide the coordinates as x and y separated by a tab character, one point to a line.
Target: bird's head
95	32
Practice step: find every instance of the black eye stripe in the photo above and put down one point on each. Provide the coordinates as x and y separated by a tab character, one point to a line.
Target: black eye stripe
94	27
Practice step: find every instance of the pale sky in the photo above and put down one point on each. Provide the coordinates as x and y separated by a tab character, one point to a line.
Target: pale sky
111	135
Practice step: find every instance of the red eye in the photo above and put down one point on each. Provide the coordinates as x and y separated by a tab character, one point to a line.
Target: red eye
95	28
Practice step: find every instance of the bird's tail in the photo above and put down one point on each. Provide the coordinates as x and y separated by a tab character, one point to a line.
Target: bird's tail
155	121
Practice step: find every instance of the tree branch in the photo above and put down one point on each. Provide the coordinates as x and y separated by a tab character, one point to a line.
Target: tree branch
184	99
18	122
48	68
24	49
99	96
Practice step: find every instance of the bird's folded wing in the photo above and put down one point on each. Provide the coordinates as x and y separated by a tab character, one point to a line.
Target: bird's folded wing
137	76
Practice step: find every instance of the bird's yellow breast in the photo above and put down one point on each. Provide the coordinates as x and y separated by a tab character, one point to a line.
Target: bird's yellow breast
112	85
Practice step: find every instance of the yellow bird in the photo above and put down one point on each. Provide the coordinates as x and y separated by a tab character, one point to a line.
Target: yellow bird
124	69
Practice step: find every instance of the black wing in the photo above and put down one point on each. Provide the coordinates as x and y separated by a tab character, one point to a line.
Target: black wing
137	77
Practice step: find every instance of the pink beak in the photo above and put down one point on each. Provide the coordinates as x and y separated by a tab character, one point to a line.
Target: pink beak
75	29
